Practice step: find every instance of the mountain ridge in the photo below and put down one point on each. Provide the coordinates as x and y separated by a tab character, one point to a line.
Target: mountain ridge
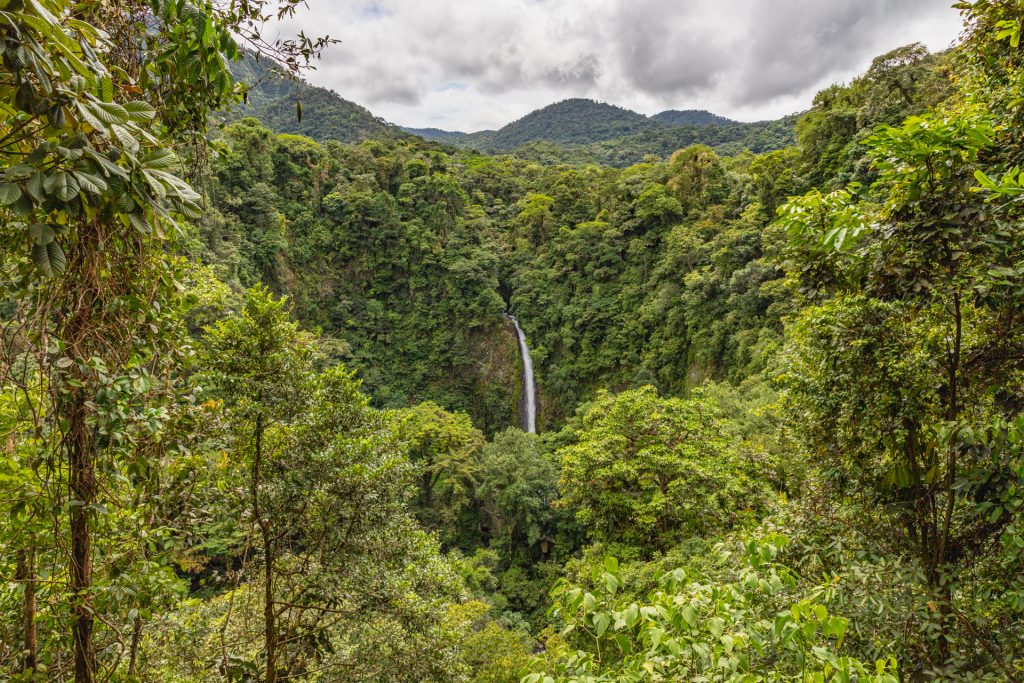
275	99
670	117
573	129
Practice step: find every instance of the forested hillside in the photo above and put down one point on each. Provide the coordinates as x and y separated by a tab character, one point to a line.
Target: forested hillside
580	132
289	104
569	122
691	117
259	398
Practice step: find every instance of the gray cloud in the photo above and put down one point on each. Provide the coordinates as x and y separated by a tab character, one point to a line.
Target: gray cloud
747	59
802	41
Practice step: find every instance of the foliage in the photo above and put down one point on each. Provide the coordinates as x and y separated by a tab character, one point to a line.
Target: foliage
651	472
752	628
323	485
904	370
495	654
376	245
445	449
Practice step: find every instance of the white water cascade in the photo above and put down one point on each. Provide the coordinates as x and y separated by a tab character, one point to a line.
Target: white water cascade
528	399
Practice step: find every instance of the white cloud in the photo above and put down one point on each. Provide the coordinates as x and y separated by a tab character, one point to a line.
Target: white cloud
473	64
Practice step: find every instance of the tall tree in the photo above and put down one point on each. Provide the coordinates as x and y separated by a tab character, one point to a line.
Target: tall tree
261	364
89	201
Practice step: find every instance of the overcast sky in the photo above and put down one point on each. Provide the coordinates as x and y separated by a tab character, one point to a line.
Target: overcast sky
475	64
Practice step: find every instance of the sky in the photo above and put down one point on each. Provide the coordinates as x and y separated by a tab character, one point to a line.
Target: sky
479	64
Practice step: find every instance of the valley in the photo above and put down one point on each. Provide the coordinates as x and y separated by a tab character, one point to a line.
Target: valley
292	393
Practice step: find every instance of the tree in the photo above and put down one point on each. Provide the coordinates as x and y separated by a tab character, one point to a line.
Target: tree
901	372
325	482
518	483
445	448
89	201
649	471
261	364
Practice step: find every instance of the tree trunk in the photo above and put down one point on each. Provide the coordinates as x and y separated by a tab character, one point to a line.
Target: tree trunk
945	531
83	495
268	604
136	639
269	617
26	574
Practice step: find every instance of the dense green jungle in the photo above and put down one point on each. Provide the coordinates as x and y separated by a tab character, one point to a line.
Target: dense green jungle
262	398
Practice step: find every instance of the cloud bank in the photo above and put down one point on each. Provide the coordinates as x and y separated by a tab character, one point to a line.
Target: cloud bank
476	64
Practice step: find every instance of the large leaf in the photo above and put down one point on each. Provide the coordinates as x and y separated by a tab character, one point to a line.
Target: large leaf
90	183
9	193
34	186
41	233
130	143
109	112
49	258
140	223
62	185
159	159
124	203
139	111
19	171
106	165
106	89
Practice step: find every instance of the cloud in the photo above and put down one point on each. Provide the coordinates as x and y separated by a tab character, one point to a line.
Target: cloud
748	59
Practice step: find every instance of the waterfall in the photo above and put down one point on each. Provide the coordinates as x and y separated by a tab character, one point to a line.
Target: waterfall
528	399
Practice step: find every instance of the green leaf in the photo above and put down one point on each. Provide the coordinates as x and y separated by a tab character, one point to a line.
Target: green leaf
49	259
41	233
9	193
159	159
62	185
985	181
140	223
34	186
601	623
106	89
127	140
622	640
656	635
90	183
124	203
109	112
19	171
139	111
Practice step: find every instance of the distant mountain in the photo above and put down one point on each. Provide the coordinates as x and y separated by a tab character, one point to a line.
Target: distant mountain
574	130
691	117
570	122
584	130
273	99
